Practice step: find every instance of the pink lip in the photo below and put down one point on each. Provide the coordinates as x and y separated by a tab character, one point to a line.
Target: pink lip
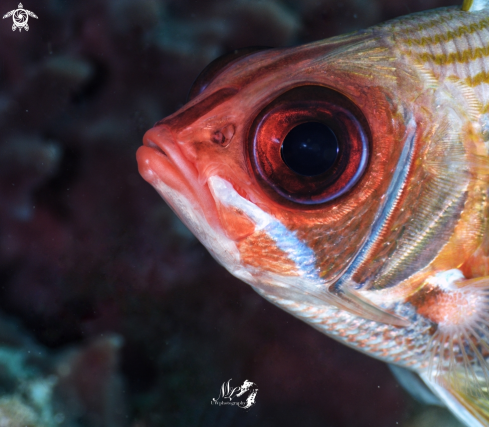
162	159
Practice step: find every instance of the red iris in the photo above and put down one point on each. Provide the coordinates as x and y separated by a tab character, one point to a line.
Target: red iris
282	119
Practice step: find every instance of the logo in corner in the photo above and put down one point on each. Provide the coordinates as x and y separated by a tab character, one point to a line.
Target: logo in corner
20	17
229	395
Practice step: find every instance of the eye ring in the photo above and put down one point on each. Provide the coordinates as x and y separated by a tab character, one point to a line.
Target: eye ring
304	104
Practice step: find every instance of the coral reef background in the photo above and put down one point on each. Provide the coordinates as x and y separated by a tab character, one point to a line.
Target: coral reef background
111	313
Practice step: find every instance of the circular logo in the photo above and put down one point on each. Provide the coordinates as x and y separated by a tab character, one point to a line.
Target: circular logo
20	17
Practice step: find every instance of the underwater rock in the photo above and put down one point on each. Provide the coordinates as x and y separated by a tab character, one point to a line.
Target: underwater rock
45	92
255	23
89	385
42	388
14	413
25	163
128	15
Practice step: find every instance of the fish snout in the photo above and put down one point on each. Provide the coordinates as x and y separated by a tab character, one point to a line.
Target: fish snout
161	160
159	138
165	166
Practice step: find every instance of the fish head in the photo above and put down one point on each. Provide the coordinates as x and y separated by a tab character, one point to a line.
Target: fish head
338	202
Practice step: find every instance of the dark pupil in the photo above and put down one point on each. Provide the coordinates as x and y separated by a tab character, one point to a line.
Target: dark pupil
310	149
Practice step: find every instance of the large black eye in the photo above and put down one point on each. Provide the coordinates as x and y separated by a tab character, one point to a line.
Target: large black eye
310	149
217	66
309	146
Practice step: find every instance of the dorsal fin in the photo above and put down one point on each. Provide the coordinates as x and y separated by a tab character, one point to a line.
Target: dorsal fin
474	5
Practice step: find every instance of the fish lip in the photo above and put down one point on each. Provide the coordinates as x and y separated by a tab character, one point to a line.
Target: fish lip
181	174
166	145
158	144
161	140
149	143
173	168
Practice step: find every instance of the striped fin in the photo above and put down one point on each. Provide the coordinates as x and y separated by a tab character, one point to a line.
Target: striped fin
474	5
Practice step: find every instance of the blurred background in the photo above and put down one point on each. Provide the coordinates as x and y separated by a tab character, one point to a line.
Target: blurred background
111	312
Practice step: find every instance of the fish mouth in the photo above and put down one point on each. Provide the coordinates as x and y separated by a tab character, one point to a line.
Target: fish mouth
163	164
151	144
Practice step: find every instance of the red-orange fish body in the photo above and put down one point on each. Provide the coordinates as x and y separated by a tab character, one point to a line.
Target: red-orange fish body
347	181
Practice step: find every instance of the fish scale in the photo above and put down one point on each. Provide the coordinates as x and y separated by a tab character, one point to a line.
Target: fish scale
448	42
386	342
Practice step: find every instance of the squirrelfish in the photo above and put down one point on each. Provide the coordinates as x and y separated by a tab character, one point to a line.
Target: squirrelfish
347	182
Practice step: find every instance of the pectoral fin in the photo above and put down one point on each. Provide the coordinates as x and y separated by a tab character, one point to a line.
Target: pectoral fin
346	298
351	300
458	352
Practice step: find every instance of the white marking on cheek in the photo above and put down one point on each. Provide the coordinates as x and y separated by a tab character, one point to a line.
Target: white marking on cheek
221	248
286	240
